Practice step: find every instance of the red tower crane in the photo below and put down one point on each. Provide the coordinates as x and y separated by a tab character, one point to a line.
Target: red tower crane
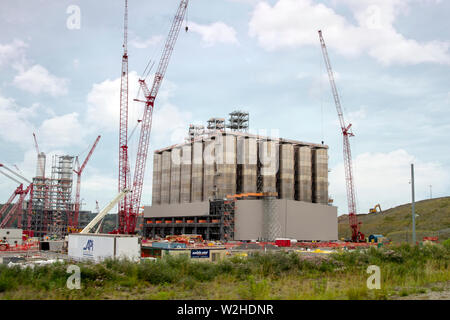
129	207
357	236
124	167
79	171
146	126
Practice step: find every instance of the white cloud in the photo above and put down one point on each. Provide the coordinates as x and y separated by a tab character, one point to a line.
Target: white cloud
217	32
384	178
170	124
294	23
14	121
141	44
104	102
99	184
18	124
13	53
62	131
104	107
37	79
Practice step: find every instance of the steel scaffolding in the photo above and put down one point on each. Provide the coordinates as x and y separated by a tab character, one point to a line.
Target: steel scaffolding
238	121
52	205
216	124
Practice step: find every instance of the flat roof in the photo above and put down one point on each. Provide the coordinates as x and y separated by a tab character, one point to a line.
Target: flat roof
105	235
208	136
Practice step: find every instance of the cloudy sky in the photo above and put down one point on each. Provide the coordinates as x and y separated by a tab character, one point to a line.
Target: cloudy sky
390	57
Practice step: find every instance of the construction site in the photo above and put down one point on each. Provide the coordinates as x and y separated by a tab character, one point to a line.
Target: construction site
221	192
227	184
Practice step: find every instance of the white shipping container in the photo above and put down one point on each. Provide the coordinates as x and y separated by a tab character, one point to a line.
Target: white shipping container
98	247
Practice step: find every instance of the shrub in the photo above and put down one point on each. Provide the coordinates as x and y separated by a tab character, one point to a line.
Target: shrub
446	244
254	290
157	273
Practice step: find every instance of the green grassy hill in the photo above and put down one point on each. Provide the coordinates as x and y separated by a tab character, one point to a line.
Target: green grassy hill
395	223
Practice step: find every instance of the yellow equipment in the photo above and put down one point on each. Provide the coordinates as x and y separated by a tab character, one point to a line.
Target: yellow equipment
374	209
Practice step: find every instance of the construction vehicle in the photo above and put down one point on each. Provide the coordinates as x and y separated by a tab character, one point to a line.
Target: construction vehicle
374	209
357	236
376	238
104	212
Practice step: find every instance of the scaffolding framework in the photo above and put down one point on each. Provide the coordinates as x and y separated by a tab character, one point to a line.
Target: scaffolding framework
216	124
195	131
238	121
52	205
271	224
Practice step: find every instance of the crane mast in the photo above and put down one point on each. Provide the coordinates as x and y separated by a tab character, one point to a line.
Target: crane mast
146	125
123	128
346	133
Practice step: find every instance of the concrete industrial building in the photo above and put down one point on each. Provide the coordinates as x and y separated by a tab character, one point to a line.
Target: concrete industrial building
282	183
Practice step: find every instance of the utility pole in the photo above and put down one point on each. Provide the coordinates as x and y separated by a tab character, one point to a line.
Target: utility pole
412	206
431	191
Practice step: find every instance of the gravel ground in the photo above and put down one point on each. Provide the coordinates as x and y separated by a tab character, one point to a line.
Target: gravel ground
432	295
437	291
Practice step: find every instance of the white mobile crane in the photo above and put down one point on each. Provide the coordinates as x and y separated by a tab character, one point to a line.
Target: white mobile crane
104	212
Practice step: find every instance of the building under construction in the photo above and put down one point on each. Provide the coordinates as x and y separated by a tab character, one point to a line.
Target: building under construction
232	185
52	206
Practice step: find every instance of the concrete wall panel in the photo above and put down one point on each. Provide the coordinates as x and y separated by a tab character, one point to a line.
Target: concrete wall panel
197	172
298	220
175	175
165	177
156	185
185	174
177	210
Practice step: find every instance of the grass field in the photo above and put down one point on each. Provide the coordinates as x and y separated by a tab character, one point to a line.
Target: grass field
405	270
396	223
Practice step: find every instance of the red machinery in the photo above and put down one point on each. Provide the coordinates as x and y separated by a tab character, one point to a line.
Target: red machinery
124	168
16	210
78	172
129	206
357	236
